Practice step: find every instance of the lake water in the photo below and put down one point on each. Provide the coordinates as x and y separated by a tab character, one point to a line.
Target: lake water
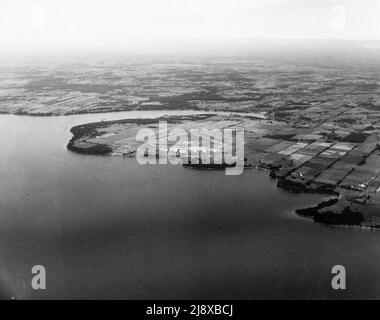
106	227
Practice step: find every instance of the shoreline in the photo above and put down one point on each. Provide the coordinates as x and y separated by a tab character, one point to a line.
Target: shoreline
256	115
344	217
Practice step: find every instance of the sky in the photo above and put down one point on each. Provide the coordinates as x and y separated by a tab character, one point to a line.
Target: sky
42	25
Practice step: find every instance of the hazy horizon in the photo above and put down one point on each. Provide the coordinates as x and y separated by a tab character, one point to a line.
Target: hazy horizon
55	26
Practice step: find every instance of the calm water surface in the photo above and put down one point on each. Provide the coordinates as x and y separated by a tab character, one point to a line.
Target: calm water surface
106	227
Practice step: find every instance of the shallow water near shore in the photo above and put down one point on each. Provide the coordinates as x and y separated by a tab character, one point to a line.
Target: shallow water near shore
106	227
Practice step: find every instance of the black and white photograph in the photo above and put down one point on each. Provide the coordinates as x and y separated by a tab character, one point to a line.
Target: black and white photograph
189	150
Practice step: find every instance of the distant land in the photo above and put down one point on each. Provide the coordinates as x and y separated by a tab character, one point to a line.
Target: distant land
276	81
